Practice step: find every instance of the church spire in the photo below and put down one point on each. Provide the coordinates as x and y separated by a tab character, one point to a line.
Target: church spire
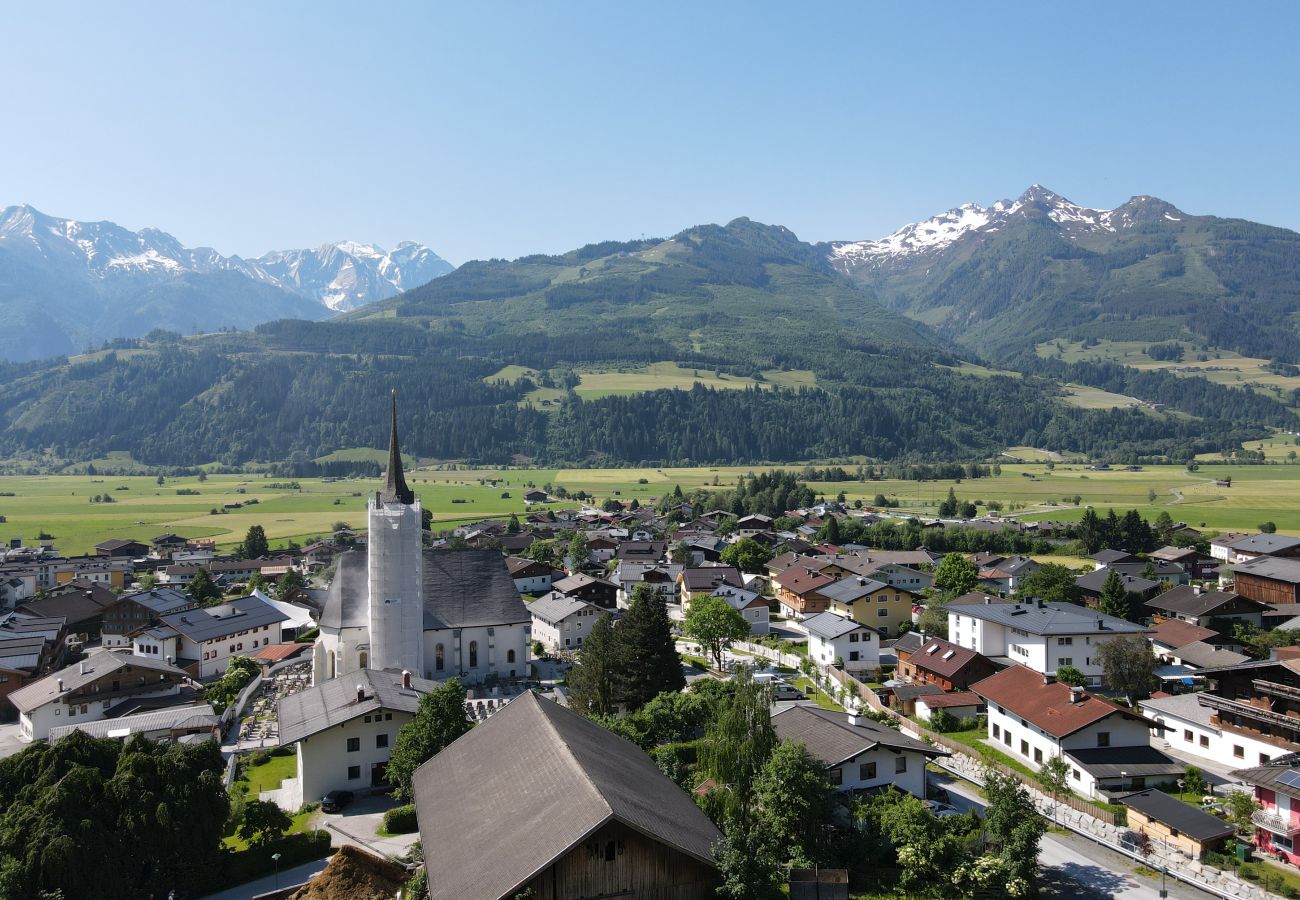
395	489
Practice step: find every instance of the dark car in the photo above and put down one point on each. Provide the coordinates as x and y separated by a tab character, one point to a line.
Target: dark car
335	800
785	691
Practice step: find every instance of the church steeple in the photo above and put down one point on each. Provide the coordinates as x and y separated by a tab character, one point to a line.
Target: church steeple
395	489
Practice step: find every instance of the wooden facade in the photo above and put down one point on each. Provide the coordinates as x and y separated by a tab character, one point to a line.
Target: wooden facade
618	861
1266	590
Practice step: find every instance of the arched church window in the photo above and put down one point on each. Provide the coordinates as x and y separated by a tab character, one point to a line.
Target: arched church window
333	664
362	658
439	658
473	654
510	656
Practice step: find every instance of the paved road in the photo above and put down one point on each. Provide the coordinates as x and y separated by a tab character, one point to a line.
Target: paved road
1075	868
287	878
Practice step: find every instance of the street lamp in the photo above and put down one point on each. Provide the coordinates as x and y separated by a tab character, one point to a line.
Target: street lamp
276	858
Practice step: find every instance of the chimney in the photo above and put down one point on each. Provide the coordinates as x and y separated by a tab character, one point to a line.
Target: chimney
987	600
1101	623
170	661
361	693
1040	602
1196	589
406	679
1076	694
81	667
60	685
1049	678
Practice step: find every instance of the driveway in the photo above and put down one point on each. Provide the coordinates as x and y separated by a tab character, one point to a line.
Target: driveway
10	743
359	823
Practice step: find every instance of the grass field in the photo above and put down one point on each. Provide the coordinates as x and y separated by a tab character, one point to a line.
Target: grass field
1220	366
1095	398
629	380
59	504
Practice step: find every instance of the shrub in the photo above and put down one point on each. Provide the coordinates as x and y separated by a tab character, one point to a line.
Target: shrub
259	757
245	865
400	819
283	750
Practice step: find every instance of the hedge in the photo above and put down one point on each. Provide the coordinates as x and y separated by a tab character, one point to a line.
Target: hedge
400	819
245	865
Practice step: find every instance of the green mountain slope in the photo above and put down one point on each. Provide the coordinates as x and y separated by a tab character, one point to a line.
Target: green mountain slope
734	301
1043	268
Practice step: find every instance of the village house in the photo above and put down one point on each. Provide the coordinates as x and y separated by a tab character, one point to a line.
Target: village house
80	604
1034	718
596	591
538	800
1257	700
1004	573
1185	724
1276	787
164	545
1190	603
875	603
90	690
560	622
1039	636
119	548
1179	643
1197	565
1267	579
131	612
168	725
859	754
701	581
799	592
344	731
1233	549
942	663
23	659
1139	589
529	575
660	577
1169	822
959	705
834	640
751	605
202	641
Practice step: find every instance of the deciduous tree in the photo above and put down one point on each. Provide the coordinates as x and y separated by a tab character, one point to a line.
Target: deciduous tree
1052	583
957	574
715	624
439	719
1128	667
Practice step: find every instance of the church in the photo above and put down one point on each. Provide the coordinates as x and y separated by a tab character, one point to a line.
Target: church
434	613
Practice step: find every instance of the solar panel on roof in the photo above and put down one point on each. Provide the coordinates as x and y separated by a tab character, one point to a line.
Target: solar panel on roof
1291	778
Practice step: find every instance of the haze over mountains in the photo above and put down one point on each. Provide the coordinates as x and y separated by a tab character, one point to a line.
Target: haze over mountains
66	284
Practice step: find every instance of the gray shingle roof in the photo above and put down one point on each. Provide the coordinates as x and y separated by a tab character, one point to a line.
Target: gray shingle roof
173	717
97	665
1265	543
830	738
1287	570
1049	618
246	613
1160	807
556	607
1133	584
1208	656
520	790
830	626
1185	600
1184	706
848	590
335	701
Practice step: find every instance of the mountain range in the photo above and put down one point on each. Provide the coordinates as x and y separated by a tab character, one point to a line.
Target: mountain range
999	280
560	359
66	284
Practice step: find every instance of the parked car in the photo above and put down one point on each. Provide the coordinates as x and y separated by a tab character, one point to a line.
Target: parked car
785	691
334	801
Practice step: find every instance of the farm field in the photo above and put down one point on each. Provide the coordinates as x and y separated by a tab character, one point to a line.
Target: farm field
1220	366
60	504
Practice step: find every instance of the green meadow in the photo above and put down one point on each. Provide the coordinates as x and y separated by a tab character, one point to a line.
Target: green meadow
60	505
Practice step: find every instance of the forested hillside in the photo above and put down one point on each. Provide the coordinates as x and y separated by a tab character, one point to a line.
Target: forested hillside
742	301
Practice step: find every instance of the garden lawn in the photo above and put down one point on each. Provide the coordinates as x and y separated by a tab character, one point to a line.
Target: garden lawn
300	823
815	693
267	777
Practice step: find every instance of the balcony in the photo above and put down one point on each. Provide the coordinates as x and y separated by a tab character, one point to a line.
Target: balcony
1271	821
1246	711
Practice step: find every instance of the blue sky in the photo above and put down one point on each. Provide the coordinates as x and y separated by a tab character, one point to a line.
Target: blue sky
499	129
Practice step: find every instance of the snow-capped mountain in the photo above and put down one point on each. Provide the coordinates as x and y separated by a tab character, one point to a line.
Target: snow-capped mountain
345	275
946	229
66	285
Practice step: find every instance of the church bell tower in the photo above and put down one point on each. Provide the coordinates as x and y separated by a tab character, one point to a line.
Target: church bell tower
395	560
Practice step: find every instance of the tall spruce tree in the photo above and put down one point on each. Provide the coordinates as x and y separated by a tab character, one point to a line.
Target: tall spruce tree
648	664
1115	599
593	682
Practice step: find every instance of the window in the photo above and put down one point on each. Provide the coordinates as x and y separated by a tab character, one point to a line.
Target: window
837	776
853	638
1103	739
354	772
1263	757
1038	755
510	656
439	657
1077	776
882	613
866	771
1205	740
368	720
388	717
1024	747
900	765
1187	735
997	731
363	659
381	740
1064	641
1006	737
1065	661
1238	751
354	744
853	656
473	654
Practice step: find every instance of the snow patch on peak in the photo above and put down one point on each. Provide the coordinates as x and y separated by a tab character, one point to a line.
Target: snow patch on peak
932	234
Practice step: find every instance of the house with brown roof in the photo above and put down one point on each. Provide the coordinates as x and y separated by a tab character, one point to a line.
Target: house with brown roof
695	582
945	664
1033	718
799	591
1191	603
959	704
538	800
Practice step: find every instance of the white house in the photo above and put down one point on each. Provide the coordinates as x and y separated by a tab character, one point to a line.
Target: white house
1040	636
529	575
560	622
959	704
1033	717
832	637
859	754
750	604
345	729
202	641
91	690
1182	723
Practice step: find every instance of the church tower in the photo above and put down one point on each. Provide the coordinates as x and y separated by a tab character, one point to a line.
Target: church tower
396	570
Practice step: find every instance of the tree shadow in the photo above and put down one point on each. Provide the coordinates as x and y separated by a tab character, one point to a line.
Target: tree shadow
1084	881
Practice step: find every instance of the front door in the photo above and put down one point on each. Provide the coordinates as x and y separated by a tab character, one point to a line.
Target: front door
378	774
